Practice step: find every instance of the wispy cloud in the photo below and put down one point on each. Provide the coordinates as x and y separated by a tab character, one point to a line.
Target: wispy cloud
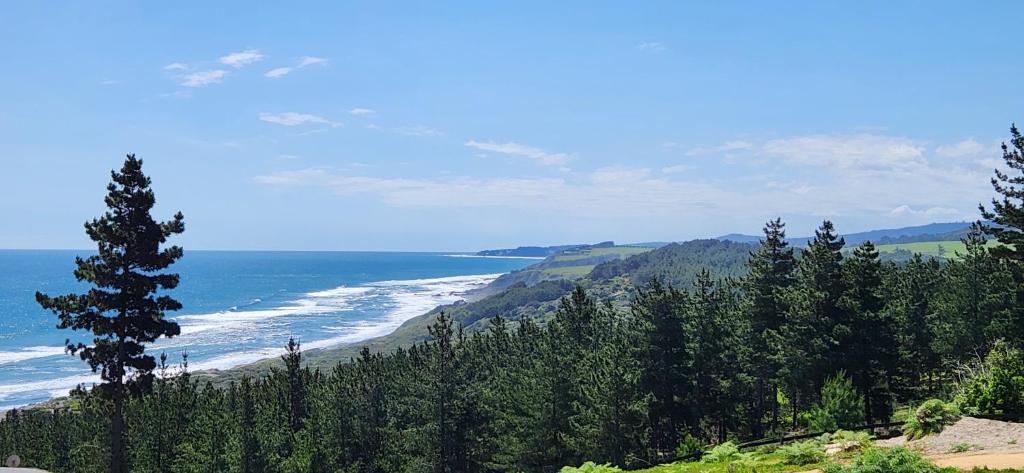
305	61
278	72
361	111
864	151
652	46
203	78
311	60
295	119
968	147
676	169
242	58
516	149
735	145
175	66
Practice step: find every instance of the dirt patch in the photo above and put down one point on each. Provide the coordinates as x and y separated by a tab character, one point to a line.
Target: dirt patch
967	434
982	460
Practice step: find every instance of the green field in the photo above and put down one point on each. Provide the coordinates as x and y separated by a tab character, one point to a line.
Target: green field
621	251
945	249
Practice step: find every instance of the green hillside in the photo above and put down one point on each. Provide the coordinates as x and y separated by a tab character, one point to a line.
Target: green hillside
941	249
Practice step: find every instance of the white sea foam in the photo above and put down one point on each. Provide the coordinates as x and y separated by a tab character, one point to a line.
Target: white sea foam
411	297
54	387
29	353
405	299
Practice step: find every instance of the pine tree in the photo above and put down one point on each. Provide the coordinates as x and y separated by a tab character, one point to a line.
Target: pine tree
770	275
816	320
123	309
913	306
870	348
666	377
1007	214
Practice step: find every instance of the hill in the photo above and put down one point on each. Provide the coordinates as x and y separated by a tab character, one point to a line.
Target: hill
538	251
950	231
572	263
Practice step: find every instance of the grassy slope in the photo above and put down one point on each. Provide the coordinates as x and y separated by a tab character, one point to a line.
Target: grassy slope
945	249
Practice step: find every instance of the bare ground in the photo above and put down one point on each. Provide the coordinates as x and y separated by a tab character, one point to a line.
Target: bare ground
969	434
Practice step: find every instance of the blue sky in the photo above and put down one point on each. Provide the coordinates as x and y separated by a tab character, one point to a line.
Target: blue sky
467	125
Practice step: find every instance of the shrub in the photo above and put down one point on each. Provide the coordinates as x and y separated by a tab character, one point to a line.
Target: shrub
802	453
930	418
897	460
688	446
998	389
861	438
725	453
840	405
590	467
962	447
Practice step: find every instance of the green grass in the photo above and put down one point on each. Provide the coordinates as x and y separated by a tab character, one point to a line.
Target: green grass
570	272
621	251
771	463
946	249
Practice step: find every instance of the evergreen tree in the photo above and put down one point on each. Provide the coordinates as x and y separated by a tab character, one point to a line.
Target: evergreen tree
715	354
870	348
915	313
666	377
123	309
816	321
770	275
1007	214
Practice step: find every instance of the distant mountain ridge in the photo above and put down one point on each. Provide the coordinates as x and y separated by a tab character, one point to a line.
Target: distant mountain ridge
541	251
949	231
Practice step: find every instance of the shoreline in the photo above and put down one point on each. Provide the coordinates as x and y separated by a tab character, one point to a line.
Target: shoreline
408	298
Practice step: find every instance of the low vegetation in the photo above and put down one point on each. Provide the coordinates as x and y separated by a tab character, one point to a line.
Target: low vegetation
930	418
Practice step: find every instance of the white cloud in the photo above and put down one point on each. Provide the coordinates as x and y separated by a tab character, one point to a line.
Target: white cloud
203	78
676	169
361	111
515	149
735	145
295	119
311	60
968	147
278	73
242	58
930	212
175	66
654	46
863	152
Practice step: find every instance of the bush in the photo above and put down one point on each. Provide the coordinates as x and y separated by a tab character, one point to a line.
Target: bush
802	453
840	405
861	438
590	467
998	389
897	460
688	446
725	453
930	418
962	447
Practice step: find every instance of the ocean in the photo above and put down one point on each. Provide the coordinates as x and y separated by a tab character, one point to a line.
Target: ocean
239	307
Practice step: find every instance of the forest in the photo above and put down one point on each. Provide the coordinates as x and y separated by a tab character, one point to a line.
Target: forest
814	340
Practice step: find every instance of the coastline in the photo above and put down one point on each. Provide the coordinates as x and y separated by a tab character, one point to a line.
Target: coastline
408	299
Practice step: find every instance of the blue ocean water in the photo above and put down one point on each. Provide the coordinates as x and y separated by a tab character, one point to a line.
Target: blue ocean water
239	307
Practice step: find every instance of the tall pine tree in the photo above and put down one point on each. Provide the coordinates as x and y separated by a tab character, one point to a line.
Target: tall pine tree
123	309
771	275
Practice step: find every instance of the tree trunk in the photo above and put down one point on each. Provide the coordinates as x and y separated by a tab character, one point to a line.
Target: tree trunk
117	462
